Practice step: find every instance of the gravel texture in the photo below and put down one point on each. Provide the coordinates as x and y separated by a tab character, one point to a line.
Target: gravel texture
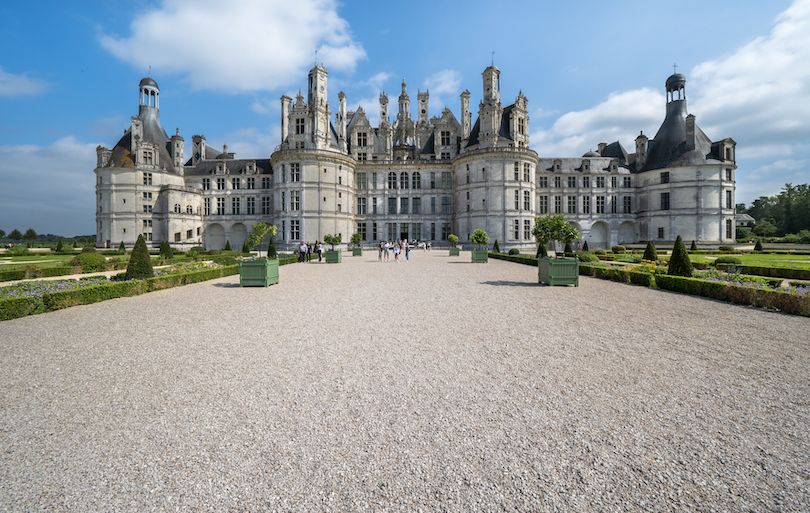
431	385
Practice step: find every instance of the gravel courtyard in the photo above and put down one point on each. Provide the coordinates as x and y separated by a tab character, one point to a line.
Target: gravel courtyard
432	385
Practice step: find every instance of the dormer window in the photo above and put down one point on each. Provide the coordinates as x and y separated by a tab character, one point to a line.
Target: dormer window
299	126
586	165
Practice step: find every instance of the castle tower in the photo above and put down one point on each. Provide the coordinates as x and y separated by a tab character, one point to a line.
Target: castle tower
176	149
422	105
318	107
404	104
490	111
384	110
149	94
492	84
285	117
465	115
340	121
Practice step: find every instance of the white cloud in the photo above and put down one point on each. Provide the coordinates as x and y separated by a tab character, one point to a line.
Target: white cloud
12	85
378	80
49	188
240	46
782	167
620	117
759	95
443	86
251	143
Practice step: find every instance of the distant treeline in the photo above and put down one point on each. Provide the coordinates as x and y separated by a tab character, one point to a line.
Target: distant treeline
787	212
29	236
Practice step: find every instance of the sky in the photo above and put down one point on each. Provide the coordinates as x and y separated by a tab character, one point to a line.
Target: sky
592	72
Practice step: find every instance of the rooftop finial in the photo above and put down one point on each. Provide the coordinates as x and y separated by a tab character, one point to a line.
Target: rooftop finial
150	71
674	68
493	58
316	57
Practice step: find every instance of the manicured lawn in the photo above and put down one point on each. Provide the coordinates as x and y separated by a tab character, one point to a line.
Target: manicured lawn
752	259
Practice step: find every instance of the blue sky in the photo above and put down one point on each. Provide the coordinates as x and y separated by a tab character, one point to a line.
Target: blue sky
592	71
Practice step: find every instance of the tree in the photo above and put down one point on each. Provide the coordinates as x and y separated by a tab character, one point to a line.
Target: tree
166	251
479	237
650	252
355	240
140	265
495	247
758	246
332	240
30	235
693	247
765	229
59	246
227	245
121	249
552	227
585	246
452	239
2	234
15	235
257	235
679	263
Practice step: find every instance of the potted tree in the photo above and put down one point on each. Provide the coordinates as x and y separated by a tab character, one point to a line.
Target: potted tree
356	250
479	256
333	256
452	239
259	272
555	271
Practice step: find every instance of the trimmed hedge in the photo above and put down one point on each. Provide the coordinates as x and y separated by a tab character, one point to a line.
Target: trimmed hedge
12	308
512	258
787	273
13	275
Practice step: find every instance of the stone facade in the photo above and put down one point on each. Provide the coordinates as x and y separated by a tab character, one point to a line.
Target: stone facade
417	179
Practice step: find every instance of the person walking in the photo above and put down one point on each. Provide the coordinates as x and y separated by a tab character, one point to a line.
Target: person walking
396	252
319	247
407	251
379	251
309	252
302	251
386	249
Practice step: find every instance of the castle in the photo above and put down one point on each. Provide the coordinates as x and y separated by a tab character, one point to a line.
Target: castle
421	178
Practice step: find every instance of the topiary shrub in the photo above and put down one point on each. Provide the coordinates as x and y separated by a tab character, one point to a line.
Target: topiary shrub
140	266
585	246
122	249
568	250
693	247
618	250
90	261
166	251
758	246
727	248
271	249
514	251
586	256
227	245
89	249
600	252
650	253
727	260
495	247
245	248
59	246
679	263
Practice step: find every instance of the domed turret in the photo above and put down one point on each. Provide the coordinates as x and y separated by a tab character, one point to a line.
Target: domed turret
676	87
591	154
149	93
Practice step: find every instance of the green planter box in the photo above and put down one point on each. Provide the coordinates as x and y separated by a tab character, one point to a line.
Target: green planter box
480	256
558	271
258	273
454	251
357	251
333	256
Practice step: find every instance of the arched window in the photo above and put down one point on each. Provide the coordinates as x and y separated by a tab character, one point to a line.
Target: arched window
416	180
392	180
403	180
189	210
177	208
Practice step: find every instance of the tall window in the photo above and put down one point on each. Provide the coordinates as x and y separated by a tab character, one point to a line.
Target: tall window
283	201
250	206
665	177
664	201
527	175
572	205
728	199
403	180
517	200
236	183
361	229
542	182
446	207
445	136
392	205
516	227
613	206
432	231
416	206
373	180
660	233
728	174
392	231
392	180
361	206
251	183
373	231
433	204
432	180
266	182
416	180
295	200
147	178
373	205
416	231
445	230
299	126
295	229
600	204
572	182
558	204
527	229
220	184
729	229
614	181
220	206
600	182
362	139
446	180
206	184
517	171
207	207
557	181
295	172
543	206
403	205
586	181
362	156
521	126
586	204
361	181
265	204
527	200
627	204
236	205
627	182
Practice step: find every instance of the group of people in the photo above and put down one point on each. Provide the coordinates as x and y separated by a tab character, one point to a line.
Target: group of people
306	249
386	247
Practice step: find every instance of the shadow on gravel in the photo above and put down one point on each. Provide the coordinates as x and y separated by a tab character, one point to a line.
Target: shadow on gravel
227	285
501	283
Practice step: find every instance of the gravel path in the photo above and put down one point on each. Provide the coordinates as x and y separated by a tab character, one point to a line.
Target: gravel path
430	385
